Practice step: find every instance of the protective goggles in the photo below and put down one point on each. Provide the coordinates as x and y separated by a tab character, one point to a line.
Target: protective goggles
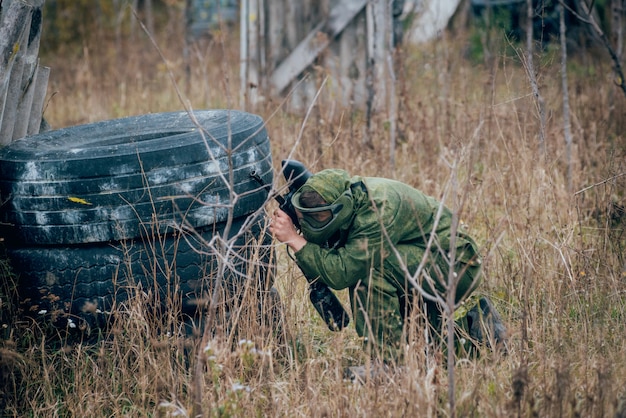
318	217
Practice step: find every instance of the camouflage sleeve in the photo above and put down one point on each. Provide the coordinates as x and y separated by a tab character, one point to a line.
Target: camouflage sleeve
344	267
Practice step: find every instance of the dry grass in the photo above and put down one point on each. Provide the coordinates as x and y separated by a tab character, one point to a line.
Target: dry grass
555	258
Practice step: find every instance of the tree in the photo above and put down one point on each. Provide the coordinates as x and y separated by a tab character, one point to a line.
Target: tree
585	14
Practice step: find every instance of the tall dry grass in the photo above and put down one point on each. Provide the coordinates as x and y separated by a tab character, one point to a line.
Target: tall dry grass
554	258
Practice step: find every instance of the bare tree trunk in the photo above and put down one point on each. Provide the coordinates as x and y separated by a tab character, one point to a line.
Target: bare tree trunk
133	23
256	8
617	13
391	90
149	16
244	37
588	18
369	76
187	41
566	120
249	57
530	69
380	76
120	8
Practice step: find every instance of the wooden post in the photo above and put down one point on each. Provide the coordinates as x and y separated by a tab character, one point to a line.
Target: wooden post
285	40
377	51
251	24
29	74
252	92
9	114
315	42
243	52
14	24
41	86
22	84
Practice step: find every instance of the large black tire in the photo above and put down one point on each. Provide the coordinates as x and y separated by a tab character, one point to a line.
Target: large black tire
120	179
97	213
175	271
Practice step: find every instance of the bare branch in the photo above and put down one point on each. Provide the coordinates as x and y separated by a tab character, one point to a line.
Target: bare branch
588	18
600	183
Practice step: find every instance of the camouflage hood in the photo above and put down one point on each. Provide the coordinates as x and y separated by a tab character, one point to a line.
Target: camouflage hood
330	184
334	187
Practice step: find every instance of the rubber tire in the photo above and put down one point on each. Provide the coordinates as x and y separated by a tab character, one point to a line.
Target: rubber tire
121	179
81	280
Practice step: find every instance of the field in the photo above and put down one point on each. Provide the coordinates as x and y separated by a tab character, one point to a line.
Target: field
552	227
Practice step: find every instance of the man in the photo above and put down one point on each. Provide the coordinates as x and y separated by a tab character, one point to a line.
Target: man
370	235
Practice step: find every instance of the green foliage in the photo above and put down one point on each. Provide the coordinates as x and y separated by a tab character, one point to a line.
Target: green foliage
494	31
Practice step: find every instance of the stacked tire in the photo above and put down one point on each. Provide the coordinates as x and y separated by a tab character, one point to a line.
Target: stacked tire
95	213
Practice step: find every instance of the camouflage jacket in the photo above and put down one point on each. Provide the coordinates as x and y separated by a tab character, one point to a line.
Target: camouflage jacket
387	214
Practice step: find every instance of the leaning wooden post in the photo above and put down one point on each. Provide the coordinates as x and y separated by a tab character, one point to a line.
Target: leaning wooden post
29	76
14	25
36	113
20	32
13	92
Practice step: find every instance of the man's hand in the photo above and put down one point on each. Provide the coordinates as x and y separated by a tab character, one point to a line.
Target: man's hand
284	230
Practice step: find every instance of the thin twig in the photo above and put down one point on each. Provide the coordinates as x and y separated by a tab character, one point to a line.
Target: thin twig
599	183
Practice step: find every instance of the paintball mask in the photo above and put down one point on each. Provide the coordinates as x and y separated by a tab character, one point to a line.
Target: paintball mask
319	223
